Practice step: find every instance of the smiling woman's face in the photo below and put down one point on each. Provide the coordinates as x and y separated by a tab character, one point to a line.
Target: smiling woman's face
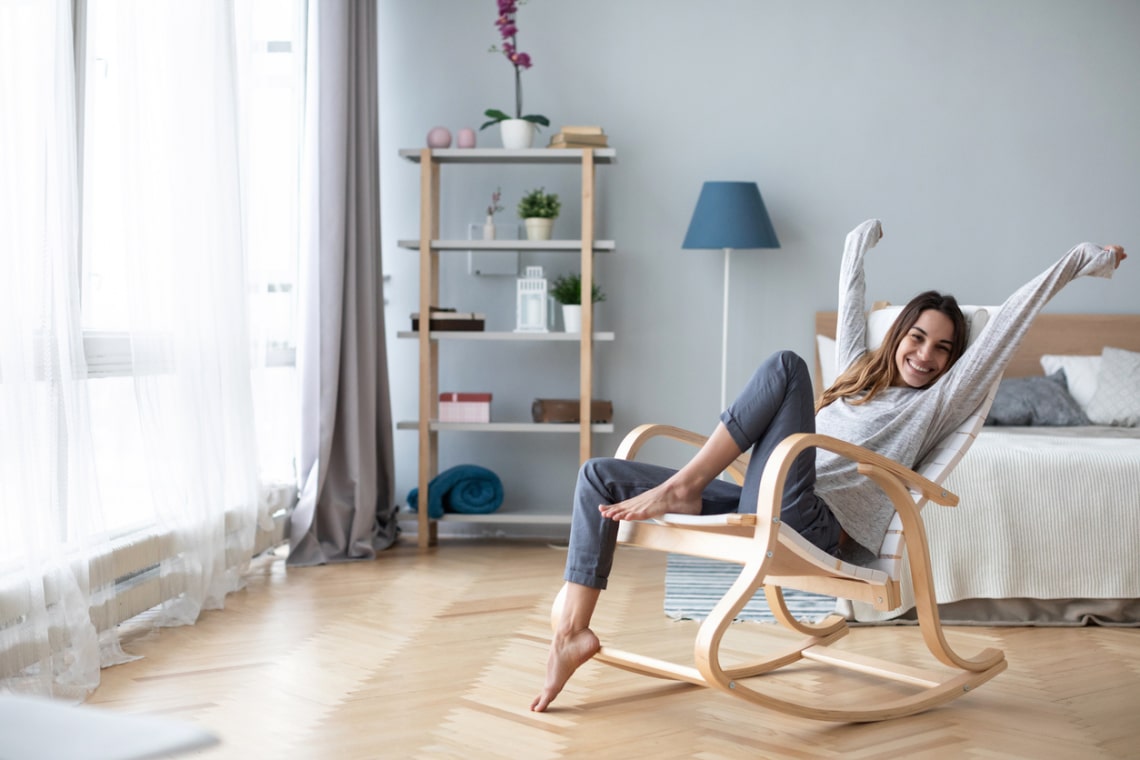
924	351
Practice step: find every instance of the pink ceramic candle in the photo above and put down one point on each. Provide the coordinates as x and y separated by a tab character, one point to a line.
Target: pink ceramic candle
439	137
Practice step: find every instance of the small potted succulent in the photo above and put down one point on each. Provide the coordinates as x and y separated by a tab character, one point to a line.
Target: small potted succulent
567	290
538	209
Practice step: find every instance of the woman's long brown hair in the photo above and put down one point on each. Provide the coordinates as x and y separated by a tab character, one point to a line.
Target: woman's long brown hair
876	370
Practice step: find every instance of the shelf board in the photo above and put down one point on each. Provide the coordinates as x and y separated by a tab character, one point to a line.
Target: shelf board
507	427
484	335
502	518
503	156
508	245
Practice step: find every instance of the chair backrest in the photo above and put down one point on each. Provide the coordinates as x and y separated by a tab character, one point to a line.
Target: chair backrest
880	319
935	467
949	451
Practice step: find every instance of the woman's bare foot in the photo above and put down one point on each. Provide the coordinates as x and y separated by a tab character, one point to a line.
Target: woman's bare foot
667	498
681	493
567	653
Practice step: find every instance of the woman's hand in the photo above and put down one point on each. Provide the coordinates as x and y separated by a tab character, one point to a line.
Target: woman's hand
873	229
1118	253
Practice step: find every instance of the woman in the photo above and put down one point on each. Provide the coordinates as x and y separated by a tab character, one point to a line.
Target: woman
898	400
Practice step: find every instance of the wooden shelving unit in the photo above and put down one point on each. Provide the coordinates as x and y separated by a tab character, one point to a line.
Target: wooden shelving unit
430	248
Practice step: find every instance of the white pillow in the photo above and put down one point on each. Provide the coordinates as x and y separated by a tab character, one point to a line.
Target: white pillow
1080	375
825	347
880	320
1117	397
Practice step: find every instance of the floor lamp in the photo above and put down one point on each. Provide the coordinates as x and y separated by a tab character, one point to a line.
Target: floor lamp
728	216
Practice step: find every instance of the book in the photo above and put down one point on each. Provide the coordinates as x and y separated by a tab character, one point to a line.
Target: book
598	140
576	144
451	320
582	131
451	314
451	325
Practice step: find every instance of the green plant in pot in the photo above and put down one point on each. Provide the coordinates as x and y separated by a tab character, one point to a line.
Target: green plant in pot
538	209
567	290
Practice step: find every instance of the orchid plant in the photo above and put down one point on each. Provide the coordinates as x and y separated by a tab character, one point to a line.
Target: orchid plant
508	31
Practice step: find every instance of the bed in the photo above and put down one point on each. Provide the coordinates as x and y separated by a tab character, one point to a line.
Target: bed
1049	515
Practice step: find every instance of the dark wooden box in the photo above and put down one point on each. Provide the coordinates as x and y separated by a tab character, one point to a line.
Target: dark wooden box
566	410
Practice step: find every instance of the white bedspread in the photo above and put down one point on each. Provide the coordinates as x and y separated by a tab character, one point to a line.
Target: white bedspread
1043	514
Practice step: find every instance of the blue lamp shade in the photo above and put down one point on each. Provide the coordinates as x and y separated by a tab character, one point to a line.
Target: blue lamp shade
730	215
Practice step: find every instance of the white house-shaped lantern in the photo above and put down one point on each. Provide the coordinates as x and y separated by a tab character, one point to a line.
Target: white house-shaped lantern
531	305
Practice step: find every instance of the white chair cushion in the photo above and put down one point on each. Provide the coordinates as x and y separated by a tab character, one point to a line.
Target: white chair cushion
872	574
880	321
825	348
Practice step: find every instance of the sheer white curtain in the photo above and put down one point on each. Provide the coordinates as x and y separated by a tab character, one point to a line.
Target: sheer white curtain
48	506
173	129
130	479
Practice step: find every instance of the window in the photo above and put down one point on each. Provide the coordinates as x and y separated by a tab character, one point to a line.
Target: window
270	50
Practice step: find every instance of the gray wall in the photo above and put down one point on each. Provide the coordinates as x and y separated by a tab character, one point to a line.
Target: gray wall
988	136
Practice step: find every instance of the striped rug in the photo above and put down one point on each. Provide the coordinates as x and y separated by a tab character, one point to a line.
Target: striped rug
694	585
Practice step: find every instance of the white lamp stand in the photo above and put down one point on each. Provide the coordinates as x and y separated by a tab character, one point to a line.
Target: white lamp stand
724	336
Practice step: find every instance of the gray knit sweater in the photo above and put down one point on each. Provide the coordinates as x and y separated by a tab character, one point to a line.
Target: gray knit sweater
905	423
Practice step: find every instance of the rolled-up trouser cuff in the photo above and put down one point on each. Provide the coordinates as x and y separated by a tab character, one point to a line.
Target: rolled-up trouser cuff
733	427
585	579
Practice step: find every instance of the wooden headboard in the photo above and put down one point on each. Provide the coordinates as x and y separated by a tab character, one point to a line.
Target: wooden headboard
1049	334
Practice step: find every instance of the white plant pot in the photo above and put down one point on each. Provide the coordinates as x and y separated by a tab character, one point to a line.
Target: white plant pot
538	228
516	134
572	318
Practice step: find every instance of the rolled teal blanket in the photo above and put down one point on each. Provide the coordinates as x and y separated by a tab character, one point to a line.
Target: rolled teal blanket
466	489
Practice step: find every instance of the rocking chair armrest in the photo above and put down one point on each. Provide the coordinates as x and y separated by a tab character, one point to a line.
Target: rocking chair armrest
867	458
793	444
637	437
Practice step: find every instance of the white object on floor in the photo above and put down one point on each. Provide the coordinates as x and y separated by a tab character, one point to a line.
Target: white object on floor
33	728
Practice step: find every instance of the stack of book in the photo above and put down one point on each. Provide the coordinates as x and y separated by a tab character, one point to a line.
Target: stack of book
579	137
443	318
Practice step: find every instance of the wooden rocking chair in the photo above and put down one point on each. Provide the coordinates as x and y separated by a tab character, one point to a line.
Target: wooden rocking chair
773	556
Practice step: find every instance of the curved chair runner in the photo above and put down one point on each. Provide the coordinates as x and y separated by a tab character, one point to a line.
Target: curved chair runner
774	556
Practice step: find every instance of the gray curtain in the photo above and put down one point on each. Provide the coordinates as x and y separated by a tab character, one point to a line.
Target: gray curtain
347	507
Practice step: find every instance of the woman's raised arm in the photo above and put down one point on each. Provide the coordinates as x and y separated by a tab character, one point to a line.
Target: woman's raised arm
851	328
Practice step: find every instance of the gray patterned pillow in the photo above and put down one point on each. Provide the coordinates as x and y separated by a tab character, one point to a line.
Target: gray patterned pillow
1040	401
1117	397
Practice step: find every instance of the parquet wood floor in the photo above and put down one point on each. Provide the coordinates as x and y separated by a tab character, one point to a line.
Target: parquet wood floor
438	654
